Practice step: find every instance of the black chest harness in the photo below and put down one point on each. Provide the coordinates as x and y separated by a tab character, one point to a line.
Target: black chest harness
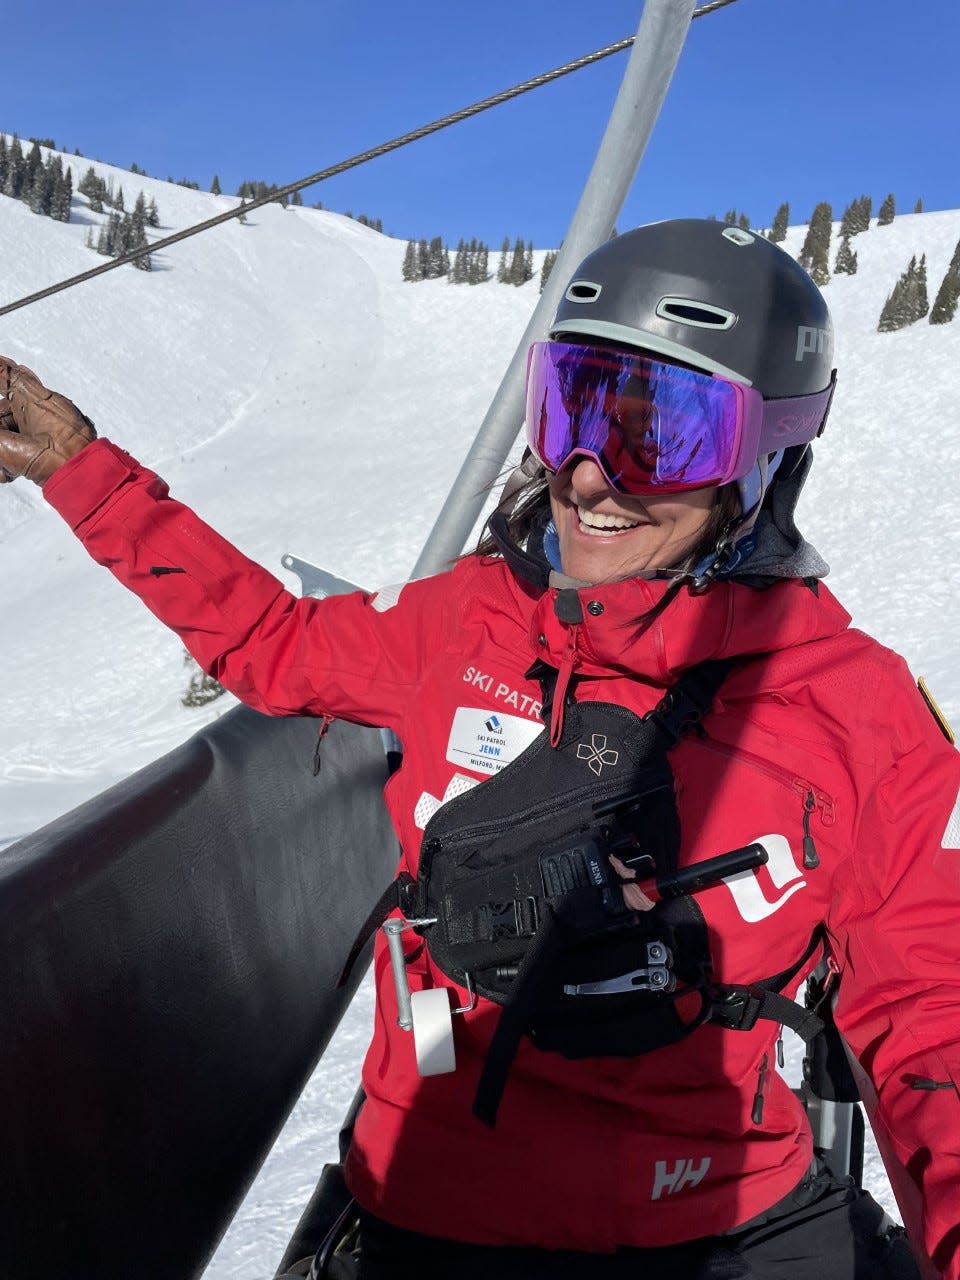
518	901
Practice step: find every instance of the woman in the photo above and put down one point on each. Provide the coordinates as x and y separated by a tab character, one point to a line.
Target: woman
647	548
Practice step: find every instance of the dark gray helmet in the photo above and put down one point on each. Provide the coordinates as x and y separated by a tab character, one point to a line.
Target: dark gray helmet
717	297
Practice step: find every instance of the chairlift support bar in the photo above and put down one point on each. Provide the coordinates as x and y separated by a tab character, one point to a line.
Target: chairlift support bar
656	52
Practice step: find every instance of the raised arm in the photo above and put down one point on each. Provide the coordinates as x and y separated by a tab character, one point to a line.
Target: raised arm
348	656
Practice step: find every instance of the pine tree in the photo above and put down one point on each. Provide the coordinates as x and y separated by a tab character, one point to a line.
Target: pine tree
138	240
781	220
215	186
502	269
32	166
471	261
95	189
907	301
108	236
815	254
63	196
201	689
945	304
423	260
887	212
435	259
153	214
846	263
921	304
15	169
458	272
140	212
850	223
409	271
39	193
549	262
517	270
918	207
3	161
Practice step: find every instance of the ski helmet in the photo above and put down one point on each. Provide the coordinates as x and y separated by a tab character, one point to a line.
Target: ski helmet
716	297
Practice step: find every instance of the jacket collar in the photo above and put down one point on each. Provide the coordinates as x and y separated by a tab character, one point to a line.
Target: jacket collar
596	631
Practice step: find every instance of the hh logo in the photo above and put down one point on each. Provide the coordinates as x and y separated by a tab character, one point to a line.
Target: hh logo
683	1173
781	868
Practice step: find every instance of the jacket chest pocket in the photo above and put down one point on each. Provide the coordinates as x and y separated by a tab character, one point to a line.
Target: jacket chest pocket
728	798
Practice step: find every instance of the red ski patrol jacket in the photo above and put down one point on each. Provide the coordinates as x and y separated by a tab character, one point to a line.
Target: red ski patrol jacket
818	731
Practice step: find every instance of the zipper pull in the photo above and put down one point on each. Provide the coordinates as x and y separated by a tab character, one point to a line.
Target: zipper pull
756	1114
811	859
780	1049
567	663
569	610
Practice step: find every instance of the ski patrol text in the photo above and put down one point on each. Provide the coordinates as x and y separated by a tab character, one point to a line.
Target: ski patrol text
520	701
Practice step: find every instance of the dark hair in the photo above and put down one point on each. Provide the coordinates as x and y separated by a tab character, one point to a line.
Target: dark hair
531	513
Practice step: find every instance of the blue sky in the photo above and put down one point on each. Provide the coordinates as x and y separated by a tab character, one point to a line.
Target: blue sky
798	100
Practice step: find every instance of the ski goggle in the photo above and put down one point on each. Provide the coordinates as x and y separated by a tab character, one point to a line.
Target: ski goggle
651	426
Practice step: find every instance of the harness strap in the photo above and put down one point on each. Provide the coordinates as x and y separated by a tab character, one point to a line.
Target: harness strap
738	1007
398	896
685	704
544	950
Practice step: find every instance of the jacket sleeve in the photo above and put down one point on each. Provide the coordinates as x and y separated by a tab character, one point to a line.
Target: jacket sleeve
896	934
357	657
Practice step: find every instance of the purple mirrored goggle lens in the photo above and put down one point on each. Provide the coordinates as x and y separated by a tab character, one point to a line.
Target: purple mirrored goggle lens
651	426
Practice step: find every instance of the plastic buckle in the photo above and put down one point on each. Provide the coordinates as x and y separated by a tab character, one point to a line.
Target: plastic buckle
738	1008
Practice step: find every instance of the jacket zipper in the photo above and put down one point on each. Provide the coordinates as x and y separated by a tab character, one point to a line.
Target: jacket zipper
756	1114
813	799
492	826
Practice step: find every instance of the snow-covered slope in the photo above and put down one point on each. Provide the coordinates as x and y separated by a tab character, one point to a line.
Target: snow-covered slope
288	384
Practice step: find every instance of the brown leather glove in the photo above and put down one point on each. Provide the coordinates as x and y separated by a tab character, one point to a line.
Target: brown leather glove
39	429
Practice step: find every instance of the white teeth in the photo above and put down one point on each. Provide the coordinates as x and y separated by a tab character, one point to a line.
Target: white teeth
598	523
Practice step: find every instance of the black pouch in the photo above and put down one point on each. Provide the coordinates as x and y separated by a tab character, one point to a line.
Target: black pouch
517	875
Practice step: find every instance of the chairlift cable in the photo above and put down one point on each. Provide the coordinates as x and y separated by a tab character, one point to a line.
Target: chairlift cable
353	162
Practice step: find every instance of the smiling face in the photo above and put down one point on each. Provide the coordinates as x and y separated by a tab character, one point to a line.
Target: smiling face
606	535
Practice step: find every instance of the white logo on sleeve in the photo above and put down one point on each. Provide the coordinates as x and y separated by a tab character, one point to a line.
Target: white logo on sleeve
784	872
951	837
673	1178
387	597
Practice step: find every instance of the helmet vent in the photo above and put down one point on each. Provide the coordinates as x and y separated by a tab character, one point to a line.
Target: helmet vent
701	315
737	235
582	291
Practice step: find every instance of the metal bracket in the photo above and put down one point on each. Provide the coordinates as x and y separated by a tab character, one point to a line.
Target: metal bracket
656	977
398	965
